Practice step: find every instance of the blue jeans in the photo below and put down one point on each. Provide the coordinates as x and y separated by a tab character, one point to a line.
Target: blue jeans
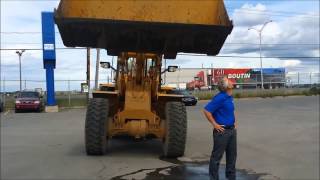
224	142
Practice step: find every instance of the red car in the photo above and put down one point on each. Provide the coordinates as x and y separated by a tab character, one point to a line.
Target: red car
28	100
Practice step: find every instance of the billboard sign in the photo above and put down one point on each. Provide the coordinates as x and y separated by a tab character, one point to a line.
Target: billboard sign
249	75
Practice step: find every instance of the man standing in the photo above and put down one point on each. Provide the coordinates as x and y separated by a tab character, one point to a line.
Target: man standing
220	113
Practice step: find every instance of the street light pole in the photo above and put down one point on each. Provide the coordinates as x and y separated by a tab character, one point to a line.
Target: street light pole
261	69
20	54
260	48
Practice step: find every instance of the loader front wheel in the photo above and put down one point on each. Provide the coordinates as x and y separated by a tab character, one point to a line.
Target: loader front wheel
176	129
96	126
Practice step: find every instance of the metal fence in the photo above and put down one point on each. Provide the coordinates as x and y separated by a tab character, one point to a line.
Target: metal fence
253	81
74	86
68	92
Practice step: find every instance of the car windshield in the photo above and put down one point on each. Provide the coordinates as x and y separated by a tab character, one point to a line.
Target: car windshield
28	95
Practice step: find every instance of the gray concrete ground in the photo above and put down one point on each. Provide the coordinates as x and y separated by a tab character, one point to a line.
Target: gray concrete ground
276	136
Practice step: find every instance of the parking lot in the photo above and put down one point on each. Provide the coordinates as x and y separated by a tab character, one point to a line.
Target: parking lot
278	138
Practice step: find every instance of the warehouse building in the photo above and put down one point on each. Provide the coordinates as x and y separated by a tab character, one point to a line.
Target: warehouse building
182	76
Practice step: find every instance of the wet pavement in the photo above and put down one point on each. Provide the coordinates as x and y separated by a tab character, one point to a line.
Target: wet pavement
188	171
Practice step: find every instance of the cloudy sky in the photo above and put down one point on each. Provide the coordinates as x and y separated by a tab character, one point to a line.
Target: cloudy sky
293	35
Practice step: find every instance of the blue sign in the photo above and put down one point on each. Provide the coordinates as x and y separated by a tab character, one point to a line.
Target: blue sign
271	70
49	54
48	37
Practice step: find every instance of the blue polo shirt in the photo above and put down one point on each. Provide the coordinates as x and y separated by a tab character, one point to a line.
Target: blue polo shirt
222	108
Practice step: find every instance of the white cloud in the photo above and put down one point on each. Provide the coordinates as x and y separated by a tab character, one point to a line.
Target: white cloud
291	63
247	15
301	32
316	53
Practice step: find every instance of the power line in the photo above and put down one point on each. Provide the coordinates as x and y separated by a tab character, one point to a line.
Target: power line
21	43
225	48
271	44
187	54
183	54
268	49
224	56
24	32
230	43
37	49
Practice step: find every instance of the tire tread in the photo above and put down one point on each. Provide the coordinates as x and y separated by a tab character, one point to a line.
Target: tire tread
176	117
95	126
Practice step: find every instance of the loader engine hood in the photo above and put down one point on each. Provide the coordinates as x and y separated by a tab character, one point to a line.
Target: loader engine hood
160	27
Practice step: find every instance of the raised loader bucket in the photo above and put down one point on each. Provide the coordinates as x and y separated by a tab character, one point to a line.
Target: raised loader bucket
161	27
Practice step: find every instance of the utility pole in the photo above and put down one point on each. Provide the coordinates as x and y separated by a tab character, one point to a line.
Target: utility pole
88	72
4	91
1	93
260	37
69	94
20	54
112	70
298	79
96	85
179	69
165	73
311	80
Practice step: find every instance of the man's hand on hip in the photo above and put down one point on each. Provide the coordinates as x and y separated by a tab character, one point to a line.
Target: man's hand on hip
218	127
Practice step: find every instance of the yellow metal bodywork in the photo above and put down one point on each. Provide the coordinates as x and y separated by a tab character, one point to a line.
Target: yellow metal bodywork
141	32
164	27
206	12
137	82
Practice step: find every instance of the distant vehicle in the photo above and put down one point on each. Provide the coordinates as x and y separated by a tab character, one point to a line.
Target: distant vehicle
188	99
198	82
28	100
1	105
251	77
242	78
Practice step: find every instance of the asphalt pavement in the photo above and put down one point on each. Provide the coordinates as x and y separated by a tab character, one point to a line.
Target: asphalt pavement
278	138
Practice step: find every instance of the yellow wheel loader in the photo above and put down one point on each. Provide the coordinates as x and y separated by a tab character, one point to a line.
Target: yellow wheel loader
141	34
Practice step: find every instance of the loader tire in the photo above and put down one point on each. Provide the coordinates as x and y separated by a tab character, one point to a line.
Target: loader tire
96	126
176	129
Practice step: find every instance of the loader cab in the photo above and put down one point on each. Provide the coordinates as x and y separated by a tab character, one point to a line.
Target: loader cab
107	87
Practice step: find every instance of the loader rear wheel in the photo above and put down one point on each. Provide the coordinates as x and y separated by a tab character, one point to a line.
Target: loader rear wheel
176	129
96	126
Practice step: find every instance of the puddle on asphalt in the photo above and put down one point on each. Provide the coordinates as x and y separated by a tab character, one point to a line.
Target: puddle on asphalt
196	171
187	171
